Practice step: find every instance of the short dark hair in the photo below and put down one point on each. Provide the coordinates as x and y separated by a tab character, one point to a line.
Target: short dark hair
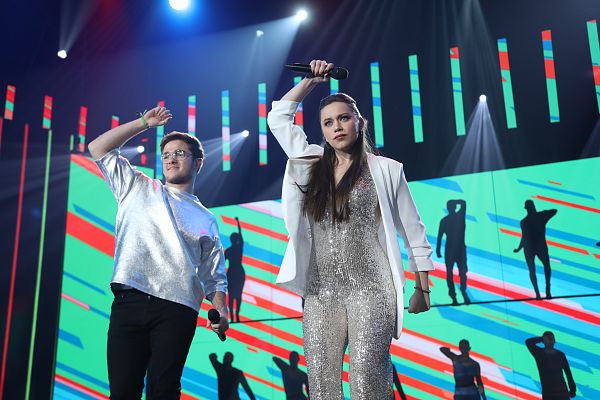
192	141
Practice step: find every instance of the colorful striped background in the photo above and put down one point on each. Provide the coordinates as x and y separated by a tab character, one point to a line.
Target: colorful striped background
496	324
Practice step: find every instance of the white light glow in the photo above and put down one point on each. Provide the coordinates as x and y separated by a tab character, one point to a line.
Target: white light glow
483	98
179	5
245	133
259	33
62	54
301	15
140	149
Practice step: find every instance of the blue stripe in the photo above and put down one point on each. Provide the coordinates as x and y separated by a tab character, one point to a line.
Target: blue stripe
517	336
376	101
507	261
582	240
86	284
82	375
62	391
456	79
468	217
444	183
573	193
547	45
416	110
414	71
70	338
94	218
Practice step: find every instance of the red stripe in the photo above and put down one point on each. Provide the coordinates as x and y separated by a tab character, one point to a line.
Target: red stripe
263	381
568	204
253	262
550	242
185	396
10	93
596	71
549	65
75	301
13	272
90	234
597	255
192	111
511	294
555	183
262	110
86	163
226	157
80	387
504	64
547	35
299	118
82	120
255	228
454	52
441	343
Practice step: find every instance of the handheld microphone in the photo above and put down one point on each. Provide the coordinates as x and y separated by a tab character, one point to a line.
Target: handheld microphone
336	73
214	317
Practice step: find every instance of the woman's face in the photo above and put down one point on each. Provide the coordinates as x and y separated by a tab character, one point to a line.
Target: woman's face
340	126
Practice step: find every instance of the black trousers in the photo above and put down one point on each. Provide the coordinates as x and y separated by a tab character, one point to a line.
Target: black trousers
147	336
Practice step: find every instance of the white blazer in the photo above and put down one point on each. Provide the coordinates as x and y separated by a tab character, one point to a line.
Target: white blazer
398	211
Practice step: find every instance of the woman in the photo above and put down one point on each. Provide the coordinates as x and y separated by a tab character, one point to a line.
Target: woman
343	207
467	373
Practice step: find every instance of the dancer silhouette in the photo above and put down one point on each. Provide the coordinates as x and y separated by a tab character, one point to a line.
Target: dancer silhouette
294	380
551	363
533	241
236	275
467	373
455	251
229	378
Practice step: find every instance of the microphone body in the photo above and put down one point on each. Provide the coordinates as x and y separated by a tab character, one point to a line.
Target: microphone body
336	73
215	317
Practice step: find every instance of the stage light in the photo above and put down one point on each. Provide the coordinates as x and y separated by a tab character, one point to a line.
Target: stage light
245	133
301	15
140	149
483	98
259	33
62	54
179	5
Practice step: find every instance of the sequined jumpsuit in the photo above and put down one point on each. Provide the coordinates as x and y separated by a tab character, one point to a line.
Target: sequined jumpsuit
350	301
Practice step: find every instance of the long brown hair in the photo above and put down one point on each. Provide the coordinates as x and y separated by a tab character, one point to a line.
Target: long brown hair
321	186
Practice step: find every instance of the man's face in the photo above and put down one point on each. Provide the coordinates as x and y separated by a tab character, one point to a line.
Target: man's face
179	166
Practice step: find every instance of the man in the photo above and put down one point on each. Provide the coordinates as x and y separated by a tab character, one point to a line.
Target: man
455	251
294	380
467	373
168	257
533	241
229	378
551	363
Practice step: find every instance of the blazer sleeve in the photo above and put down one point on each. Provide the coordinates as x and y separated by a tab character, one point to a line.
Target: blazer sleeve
291	137
411	228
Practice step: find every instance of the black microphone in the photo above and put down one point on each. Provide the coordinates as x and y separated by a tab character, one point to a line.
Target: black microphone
336	73
214	317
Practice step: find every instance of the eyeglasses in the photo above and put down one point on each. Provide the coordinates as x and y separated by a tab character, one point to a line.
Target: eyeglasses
166	156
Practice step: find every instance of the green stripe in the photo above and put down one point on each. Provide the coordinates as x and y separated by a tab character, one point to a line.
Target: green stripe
38	277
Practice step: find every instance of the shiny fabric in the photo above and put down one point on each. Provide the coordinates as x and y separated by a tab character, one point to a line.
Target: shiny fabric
350	300
399	215
166	242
